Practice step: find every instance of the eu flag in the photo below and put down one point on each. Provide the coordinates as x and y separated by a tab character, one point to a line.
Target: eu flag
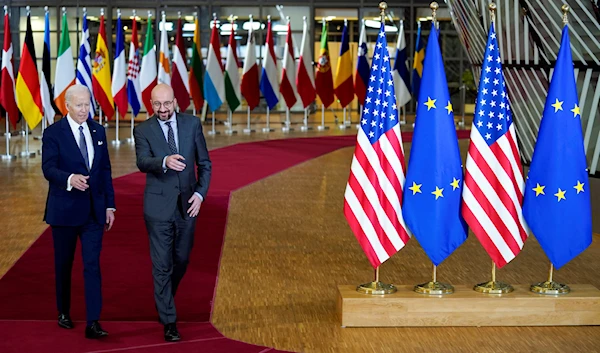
557	204
433	188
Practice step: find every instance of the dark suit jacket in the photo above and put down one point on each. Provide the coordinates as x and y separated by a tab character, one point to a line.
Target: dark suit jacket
164	188
61	157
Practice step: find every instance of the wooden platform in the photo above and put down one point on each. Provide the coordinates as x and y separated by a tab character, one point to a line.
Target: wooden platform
469	308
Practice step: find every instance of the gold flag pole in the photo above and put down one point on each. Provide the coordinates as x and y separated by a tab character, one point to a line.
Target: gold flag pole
550	287
493	286
434	287
376	287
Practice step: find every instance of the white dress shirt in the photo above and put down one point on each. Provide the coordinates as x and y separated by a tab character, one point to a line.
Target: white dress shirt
88	141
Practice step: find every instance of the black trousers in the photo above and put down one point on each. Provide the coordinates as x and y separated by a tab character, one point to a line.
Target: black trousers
170	245
65	241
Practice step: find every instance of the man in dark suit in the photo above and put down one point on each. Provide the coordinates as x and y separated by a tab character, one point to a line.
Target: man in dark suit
170	147
81	202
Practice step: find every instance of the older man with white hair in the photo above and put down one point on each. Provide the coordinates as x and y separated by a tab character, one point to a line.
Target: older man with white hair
80	204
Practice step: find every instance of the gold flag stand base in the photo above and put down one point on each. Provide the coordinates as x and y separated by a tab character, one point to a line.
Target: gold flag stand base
493	287
376	288
550	288
434	288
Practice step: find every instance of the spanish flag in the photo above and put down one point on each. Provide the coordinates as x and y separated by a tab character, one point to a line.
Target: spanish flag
29	99
101	81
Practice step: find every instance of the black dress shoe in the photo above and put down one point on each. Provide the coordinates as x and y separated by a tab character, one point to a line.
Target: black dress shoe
95	331
64	321
171	333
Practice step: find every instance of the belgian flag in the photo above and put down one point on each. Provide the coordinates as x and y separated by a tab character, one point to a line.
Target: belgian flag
29	99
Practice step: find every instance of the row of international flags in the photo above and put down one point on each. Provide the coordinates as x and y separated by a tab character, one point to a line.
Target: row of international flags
134	77
436	199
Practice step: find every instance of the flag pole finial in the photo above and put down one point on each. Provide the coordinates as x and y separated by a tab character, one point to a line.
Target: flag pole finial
118	13
149	14
269	18
382	7
434	6
565	9
287	18
493	8
134	14
28	8
46	9
179	14
102	12
5	9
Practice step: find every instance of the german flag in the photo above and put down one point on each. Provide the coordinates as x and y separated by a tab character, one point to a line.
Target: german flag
29	99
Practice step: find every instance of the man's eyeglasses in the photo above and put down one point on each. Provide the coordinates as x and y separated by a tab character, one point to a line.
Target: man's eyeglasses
167	105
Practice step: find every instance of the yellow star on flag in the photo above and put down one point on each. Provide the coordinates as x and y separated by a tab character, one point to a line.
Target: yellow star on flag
579	187
415	188
449	108
454	183
576	111
557	105
430	103
438	192
560	194
539	190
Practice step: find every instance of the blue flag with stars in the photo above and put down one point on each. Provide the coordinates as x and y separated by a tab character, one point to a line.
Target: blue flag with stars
557	204
433	187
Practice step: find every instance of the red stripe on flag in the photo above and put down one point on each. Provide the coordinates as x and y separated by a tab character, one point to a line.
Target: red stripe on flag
361	236
483	236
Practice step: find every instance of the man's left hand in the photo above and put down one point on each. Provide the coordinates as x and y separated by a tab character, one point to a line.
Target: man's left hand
195	207
110	219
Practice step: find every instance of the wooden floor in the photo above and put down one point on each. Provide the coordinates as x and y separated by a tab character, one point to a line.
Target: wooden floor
288	247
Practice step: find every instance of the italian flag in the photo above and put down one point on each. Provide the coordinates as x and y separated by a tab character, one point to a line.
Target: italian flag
65	69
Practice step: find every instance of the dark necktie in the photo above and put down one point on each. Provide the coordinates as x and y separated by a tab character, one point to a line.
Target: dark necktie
83	147
171	138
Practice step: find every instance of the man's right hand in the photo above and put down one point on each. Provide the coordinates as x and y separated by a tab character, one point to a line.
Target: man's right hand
79	182
174	162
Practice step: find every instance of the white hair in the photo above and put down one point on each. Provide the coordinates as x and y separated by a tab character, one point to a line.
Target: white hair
74	90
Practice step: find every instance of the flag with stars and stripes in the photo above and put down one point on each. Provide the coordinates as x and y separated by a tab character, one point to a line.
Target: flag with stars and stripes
432	193
557	204
493	190
373	197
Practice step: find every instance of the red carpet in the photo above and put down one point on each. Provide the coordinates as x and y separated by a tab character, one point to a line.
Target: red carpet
27	297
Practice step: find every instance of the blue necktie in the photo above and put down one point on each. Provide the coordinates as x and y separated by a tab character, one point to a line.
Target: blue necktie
171	138
83	148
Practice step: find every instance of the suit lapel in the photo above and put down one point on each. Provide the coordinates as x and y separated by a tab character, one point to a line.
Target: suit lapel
159	135
97	149
182	133
70	140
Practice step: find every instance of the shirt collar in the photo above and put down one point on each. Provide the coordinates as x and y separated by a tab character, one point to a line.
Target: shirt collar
75	125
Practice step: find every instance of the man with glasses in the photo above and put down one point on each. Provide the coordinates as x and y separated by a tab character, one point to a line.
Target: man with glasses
170	147
81	203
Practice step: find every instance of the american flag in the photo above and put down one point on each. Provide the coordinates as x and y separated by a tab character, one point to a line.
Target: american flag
373	197
493	189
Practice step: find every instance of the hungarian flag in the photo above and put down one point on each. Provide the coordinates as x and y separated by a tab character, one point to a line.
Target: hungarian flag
197	70
164	61
29	99
119	79
344	87
148	70
7	94
101	81
305	79
323	78
65	70
180	80
287	87
250	86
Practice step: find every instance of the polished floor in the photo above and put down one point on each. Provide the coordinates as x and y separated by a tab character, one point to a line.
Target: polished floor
287	247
